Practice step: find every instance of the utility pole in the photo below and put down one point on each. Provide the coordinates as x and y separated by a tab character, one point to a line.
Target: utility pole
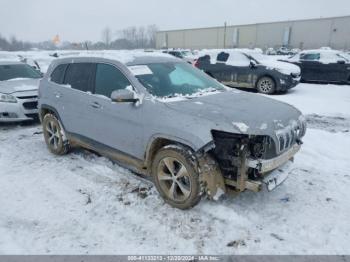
225	27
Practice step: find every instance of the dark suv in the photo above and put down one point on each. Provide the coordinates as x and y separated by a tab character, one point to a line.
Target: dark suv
255	71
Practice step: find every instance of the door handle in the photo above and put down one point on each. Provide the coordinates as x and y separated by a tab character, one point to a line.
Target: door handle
58	94
95	105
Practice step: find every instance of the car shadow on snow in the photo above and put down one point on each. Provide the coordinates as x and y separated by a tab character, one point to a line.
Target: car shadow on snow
13	125
254	91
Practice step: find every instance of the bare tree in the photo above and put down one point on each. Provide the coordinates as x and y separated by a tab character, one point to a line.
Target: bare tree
107	36
151	33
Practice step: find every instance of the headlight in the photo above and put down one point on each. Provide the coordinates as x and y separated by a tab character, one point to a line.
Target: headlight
7	98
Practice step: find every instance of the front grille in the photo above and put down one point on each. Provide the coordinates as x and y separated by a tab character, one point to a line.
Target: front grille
26	97
30	105
34	116
288	136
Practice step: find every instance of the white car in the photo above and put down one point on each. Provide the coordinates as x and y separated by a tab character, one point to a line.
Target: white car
18	92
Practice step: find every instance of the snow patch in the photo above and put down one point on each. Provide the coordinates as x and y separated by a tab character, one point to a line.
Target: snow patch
241	126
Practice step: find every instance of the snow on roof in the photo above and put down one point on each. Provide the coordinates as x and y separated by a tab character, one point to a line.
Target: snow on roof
321	50
123	56
44	57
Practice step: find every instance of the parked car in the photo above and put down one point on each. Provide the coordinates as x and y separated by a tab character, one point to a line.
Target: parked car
322	65
182	54
162	117
284	51
18	92
271	51
237	69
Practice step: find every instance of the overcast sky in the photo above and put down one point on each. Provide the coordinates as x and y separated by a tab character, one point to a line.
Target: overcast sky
78	20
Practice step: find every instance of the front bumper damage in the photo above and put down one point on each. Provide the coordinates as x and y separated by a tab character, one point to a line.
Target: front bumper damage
214	183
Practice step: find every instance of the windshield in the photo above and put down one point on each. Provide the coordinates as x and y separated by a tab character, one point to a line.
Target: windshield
17	71
172	79
345	56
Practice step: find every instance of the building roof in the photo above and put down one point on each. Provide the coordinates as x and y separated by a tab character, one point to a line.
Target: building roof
262	23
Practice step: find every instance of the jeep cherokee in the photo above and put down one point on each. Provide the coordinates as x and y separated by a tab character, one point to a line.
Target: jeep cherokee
163	118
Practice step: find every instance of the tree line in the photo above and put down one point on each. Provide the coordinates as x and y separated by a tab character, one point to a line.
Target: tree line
129	38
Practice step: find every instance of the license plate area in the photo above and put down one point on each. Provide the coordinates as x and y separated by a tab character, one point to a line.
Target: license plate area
276	177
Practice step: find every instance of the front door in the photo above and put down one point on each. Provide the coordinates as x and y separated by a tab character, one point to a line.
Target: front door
116	125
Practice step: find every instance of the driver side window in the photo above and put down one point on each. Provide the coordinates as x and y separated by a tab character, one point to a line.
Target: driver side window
108	79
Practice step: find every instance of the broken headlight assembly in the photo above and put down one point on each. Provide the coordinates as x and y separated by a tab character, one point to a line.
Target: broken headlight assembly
229	148
5	98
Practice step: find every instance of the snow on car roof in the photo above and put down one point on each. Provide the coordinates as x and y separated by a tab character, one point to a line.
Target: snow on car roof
324	51
125	57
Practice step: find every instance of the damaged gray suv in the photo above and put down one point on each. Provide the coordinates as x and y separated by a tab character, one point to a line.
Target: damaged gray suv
163	118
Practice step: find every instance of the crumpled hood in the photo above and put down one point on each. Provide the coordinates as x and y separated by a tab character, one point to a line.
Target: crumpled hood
240	112
18	85
283	67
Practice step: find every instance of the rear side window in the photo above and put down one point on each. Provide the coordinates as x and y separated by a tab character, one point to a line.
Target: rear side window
58	74
79	76
222	57
108	79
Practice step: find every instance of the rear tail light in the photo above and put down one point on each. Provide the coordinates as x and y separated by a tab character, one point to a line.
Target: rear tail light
196	63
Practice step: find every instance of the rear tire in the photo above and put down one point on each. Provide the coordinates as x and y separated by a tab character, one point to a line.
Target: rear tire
266	85
54	135
176	178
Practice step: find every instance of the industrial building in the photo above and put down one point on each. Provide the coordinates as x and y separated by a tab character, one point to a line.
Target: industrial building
304	34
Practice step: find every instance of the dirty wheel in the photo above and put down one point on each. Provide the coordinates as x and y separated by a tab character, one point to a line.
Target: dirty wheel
176	178
266	85
53	135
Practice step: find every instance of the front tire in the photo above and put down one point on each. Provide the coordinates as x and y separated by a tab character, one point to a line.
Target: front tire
266	85
53	135
176	177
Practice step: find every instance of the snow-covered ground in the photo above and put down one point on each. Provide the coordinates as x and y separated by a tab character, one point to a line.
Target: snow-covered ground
82	203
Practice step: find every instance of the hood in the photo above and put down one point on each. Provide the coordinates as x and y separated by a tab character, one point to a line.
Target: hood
18	85
282	67
238	112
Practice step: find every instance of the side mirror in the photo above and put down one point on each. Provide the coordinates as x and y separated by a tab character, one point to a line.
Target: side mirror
342	62
252	64
124	95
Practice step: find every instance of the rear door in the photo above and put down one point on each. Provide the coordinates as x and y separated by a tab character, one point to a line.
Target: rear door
75	97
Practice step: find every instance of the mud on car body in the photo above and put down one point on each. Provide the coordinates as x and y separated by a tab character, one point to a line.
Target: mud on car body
242	70
163	118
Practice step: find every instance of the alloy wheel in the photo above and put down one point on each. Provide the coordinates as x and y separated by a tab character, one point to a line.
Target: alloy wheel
174	179
266	85
54	137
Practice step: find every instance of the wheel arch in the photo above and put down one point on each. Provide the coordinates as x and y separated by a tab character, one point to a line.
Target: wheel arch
45	109
159	141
